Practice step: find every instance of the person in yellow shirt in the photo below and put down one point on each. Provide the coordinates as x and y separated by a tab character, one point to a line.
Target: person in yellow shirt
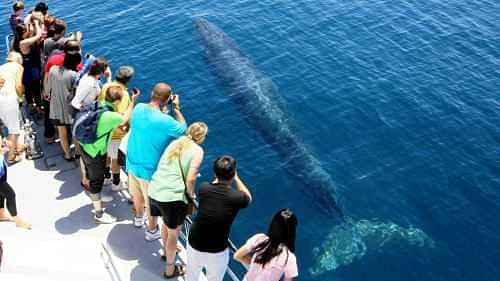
123	76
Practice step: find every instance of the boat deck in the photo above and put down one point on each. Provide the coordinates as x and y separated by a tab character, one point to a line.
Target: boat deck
65	241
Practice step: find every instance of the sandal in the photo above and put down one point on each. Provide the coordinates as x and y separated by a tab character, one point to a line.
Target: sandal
179	270
14	159
70	159
85	186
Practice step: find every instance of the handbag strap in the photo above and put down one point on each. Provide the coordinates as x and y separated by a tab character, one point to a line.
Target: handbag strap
190	200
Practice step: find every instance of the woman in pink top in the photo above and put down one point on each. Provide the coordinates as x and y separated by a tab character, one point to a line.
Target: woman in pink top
271	256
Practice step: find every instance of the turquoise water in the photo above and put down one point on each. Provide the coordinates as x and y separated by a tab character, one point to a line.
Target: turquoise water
398	100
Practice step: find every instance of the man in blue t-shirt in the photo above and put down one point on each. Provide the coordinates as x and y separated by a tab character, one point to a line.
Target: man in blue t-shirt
151	130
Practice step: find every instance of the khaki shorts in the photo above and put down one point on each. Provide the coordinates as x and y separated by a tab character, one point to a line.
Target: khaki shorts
139	186
113	148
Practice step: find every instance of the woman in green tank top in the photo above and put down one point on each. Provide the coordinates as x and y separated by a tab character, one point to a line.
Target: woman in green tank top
173	181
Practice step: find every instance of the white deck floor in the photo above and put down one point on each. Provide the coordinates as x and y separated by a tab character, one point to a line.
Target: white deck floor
65	242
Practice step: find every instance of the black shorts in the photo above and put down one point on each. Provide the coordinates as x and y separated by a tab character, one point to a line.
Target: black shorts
173	213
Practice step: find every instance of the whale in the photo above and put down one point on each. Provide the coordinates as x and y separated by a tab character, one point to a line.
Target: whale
345	245
256	96
258	99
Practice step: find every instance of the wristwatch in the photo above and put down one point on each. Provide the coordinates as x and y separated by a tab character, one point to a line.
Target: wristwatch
176	107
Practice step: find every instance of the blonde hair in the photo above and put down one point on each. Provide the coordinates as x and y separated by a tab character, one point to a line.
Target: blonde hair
196	132
15	57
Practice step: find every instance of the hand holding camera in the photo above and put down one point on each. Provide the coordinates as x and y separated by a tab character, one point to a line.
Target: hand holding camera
135	94
175	100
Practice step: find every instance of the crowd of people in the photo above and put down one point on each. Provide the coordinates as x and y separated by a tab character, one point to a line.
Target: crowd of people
83	107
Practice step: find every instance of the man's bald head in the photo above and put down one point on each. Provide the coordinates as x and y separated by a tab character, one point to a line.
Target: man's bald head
161	92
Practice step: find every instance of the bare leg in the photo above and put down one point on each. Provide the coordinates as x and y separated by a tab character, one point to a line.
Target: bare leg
13	146
171	248
97	205
115	168
14	143
152	221
85	181
63	136
164	237
137	197
4	216
21	223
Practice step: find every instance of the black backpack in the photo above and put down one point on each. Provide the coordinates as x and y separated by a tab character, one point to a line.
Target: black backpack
85	125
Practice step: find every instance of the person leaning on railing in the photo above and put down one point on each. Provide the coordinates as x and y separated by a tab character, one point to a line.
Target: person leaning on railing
219	203
122	78
151	130
270	257
172	183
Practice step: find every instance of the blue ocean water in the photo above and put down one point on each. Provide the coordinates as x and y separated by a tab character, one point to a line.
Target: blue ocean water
397	99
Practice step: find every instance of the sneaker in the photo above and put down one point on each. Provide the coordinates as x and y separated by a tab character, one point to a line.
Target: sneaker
105	219
117	187
108	181
152	236
139	221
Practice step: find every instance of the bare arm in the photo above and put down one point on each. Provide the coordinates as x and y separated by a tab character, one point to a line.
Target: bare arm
128	112
194	169
108	74
26	43
19	82
47	87
240	185
177	109
242	255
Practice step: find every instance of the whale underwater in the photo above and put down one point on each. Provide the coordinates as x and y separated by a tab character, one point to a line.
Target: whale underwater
258	99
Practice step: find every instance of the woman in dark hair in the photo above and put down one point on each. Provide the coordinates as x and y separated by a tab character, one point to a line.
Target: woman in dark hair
27	43
60	87
271	256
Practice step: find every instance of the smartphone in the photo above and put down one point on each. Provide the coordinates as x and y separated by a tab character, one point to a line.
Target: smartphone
135	90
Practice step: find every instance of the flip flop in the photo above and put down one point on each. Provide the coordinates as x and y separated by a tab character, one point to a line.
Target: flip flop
179	270
85	186
71	159
11	161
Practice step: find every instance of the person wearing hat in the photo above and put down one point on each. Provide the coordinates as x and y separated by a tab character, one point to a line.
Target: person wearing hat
122	78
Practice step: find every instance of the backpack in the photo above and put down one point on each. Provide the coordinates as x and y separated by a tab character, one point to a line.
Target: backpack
85	125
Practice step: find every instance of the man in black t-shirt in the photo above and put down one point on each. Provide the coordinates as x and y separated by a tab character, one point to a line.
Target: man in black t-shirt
209	234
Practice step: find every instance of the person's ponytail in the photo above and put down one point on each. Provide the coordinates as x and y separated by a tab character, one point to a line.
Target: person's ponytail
196	132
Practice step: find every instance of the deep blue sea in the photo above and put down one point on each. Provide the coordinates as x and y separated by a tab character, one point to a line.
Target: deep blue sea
398	100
